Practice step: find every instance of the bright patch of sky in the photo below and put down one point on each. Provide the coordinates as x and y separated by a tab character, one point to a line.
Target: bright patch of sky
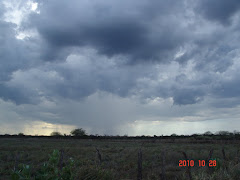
15	13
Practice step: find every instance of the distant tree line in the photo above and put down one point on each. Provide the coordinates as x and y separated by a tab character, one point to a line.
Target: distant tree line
81	133
76	132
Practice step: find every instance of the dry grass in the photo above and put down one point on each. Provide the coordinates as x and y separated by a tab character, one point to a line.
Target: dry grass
119	159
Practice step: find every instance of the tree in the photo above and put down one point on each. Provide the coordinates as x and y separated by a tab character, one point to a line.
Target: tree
208	133
223	133
236	132
78	132
55	133
21	134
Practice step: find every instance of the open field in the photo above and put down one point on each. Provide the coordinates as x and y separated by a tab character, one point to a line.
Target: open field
121	159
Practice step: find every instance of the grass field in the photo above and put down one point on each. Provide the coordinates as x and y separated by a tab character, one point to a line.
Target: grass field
121	159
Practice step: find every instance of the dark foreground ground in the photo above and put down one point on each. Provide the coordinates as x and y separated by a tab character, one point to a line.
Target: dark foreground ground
123	159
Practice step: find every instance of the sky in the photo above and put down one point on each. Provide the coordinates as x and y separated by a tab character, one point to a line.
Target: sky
124	67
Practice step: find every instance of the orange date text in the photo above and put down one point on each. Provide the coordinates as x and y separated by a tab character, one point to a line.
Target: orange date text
200	163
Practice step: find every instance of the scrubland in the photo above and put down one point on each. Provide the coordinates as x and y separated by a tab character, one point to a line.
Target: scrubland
118	159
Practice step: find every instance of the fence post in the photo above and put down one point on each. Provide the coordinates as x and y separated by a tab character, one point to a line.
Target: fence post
163	174
16	161
99	156
237	158
189	167
61	159
224	155
209	157
139	176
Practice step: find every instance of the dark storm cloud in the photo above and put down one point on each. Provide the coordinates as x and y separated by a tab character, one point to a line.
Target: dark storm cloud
7	54
138	29
11	59
17	96
219	10
121	33
14	55
228	88
187	96
103	64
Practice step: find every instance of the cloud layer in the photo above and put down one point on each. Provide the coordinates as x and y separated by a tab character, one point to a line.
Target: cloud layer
186	51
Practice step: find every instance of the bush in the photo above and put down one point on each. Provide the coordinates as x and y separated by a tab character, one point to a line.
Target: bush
49	170
78	132
21	134
55	133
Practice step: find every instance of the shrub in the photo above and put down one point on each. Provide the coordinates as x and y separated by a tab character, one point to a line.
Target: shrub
55	133
78	132
49	170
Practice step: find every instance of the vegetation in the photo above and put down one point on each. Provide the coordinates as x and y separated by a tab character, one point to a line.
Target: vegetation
81	133
127	158
56	134
48	170
20	134
78	132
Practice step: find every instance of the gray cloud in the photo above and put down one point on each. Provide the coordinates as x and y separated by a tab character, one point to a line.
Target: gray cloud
167	50
187	96
139	29
219	10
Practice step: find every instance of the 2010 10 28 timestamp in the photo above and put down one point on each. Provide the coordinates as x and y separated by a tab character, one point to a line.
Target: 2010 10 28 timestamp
200	163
